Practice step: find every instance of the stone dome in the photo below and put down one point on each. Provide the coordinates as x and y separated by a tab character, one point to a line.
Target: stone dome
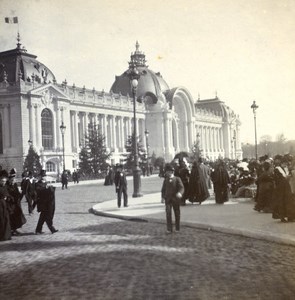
150	84
18	63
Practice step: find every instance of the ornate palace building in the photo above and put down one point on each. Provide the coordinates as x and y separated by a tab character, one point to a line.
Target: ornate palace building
33	106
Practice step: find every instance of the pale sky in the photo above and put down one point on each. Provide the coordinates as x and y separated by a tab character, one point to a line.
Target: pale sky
243	49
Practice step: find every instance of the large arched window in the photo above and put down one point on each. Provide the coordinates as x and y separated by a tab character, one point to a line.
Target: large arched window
47	129
50	167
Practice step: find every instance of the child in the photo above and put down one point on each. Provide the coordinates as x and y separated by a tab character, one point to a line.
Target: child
172	191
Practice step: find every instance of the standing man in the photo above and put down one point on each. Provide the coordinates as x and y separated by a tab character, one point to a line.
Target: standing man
172	191
74	176
64	180
31	192
121	185
45	204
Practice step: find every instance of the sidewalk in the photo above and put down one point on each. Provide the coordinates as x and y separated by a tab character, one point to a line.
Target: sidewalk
235	217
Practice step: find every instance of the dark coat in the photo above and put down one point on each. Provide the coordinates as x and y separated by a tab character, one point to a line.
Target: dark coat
45	197
120	180
198	191
170	187
17	218
184	176
265	189
221	180
284	202
5	229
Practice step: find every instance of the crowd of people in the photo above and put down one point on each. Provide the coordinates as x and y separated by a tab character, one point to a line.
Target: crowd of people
38	194
276	187
270	182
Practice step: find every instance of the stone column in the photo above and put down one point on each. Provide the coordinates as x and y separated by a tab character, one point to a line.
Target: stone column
72	131
76	130
32	124
6	129
85	126
177	135
115	130
122	136
38	126
130	126
57	128
105	129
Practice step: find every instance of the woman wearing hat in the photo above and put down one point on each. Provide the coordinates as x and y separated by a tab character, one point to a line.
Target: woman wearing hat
5	229
284	203
17	218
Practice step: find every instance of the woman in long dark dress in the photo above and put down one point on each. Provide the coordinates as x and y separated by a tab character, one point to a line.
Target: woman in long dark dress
221	181
284	203
265	188
5	229
184	176
198	191
17	218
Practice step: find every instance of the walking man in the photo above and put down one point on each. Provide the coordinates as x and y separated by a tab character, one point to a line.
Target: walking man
172	191
45	204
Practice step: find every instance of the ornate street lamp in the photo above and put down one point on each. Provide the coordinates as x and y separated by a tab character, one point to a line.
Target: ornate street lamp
147	152
134	76
30	142
254	106
63	130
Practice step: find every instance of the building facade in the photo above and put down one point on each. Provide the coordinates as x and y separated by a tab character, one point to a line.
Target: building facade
33	105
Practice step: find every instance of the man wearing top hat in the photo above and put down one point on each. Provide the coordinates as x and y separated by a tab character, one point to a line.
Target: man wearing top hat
45	204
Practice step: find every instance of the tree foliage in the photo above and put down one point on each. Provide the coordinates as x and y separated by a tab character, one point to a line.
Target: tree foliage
129	156
93	156
32	162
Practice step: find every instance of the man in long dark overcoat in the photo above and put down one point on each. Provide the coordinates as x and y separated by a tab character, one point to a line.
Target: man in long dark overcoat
45	204
172	192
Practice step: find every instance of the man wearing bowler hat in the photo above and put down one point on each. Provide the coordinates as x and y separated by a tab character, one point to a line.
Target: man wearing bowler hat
172	191
45	204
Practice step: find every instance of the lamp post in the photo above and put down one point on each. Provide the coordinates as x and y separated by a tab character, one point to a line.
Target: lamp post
63	130
134	76
254	106
147	152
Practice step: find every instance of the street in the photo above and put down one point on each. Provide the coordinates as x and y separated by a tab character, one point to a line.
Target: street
94	257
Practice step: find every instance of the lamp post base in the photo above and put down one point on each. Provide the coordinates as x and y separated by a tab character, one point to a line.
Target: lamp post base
137	183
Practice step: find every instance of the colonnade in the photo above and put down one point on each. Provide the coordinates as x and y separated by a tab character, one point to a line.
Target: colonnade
211	138
115	128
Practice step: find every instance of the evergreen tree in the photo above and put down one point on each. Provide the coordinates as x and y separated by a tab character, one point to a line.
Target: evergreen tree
129	156
32	162
84	161
94	155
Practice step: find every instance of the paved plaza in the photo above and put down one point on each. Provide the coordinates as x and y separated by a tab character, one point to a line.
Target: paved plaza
131	256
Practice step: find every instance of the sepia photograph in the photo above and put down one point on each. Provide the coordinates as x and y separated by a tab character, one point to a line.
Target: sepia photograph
147	149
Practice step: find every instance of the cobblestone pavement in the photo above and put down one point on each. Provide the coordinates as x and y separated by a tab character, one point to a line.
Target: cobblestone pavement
93	257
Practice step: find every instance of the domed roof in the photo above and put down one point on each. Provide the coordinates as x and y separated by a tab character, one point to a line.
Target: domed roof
149	84
18	63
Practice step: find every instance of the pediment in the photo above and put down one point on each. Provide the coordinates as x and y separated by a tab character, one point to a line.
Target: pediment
49	92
